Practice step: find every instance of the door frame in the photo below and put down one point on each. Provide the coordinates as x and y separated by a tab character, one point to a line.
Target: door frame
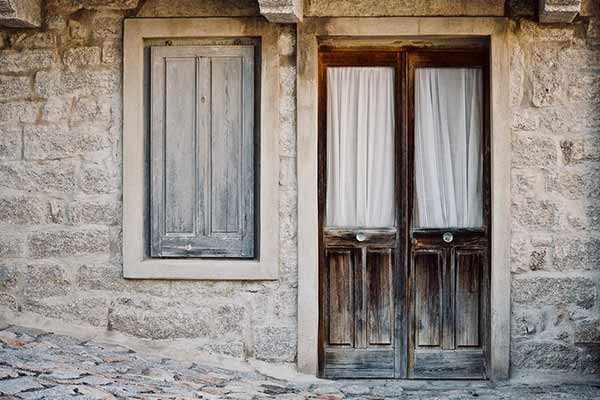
309	34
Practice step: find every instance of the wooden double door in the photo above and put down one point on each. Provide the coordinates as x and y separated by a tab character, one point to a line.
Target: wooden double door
404	271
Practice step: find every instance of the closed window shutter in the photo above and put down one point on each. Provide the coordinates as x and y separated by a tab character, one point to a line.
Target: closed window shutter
202	151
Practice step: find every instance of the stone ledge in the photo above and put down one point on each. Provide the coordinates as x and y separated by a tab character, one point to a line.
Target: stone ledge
281	11
559	11
21	13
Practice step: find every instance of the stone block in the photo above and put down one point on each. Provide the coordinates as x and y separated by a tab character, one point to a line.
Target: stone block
578	291
230	349
19	111
26	60
533	354
282	11
531	213
89	109
577	254
75	307
371	8
55	109
587	331
275	343
43	176
59	141
11	246
14	87
33	40
83	83
153	320
9	277
10	143
45	280
107	26
103	212
533	151
82	56
98	179
111	53
66	243
24	211
575	185
525	120
578	150
21	13
161	8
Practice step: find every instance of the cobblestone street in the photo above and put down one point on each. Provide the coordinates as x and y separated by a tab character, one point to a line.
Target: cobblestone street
38	365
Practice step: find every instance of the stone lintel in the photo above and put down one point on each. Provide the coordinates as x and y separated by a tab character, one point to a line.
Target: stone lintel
559	11
21	13
281	11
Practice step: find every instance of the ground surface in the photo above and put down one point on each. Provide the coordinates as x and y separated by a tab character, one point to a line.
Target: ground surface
40	365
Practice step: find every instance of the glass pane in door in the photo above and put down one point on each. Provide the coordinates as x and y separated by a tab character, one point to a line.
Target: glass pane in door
448	147
360	147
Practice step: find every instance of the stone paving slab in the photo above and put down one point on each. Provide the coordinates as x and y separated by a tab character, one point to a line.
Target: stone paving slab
37	365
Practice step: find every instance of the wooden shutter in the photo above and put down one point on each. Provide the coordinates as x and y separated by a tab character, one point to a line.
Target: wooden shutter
202	151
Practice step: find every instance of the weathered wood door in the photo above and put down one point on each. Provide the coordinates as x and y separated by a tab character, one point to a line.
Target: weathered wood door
396	299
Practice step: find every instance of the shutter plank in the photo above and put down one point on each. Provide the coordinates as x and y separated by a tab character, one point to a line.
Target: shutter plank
180	150
226	144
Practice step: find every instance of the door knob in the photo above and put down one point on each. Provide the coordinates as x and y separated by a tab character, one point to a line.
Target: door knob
448	237
361	237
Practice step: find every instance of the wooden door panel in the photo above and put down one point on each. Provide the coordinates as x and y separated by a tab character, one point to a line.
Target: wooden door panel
469	266
427	298
340	295
448	306
380	323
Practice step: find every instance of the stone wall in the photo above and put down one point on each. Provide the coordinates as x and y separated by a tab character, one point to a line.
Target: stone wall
61	194
555	80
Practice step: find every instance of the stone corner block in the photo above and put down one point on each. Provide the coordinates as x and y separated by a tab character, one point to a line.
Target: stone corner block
21	13
559	11
281	11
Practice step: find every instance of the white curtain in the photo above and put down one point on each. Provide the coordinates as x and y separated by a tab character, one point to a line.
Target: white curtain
360	147
448	154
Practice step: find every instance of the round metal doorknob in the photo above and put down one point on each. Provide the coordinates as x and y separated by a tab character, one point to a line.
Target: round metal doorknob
448	237
361	237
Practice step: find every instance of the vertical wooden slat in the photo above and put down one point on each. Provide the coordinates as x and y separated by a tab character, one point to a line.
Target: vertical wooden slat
468	305
203	164
179	146
340	295
428	293
226	144
379	297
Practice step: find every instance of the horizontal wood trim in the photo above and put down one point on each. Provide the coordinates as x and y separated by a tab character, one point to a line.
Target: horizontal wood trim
359	363
362	58
459	364
349	237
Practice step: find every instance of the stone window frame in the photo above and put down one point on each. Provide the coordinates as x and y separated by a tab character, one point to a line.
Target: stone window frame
309	34
136	261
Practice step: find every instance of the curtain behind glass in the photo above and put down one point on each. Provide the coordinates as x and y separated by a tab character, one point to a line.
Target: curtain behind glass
448	155
360	147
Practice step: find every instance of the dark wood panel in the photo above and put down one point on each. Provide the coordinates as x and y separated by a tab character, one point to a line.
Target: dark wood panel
427	299
340	313
468	266
359	363
458	364
380	323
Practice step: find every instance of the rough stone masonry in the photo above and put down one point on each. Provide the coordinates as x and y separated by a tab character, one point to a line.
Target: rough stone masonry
61	192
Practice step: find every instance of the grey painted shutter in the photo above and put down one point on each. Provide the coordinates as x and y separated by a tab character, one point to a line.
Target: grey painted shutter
202	151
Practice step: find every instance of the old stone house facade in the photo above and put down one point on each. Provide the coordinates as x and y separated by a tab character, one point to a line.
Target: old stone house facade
72	76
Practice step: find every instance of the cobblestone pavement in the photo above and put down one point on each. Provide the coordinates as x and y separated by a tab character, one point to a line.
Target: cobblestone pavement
38	365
